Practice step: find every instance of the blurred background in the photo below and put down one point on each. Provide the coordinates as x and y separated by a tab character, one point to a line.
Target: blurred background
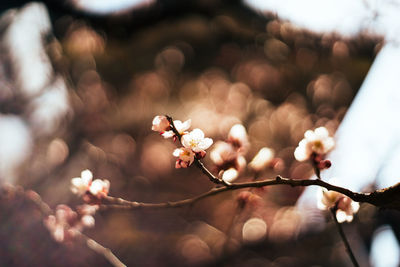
80	84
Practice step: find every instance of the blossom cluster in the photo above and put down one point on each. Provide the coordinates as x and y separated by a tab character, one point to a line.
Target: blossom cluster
315	145
229	156
84	185
66	224
194	143
345	207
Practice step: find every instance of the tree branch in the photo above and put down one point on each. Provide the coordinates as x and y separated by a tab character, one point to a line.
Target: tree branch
385	198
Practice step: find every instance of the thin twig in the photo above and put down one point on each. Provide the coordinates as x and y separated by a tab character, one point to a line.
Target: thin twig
343	236
106	252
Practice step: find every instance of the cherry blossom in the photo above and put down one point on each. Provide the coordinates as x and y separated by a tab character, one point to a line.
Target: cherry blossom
230	175
222	153
66	224
84	185
316	142
238	137
185	157
195	141
262	159
79	185
160	124
181	127
99	188
346	207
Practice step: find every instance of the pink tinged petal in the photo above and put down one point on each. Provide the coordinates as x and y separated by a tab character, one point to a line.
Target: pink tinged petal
184	164
241	163
50	222
177	164
58	233
191	160
160	124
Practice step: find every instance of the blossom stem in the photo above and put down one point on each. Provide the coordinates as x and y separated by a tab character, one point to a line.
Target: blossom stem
343	236
317	171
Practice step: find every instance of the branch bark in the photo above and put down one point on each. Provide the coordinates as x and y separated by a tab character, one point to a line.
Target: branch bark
384	198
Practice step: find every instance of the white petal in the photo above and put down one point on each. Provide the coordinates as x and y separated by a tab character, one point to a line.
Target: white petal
168	134
197	134
77	181
300	154
341	216
186	125
87	176
309	135
321	132
177	152
205	143
230	175
355	206
186	140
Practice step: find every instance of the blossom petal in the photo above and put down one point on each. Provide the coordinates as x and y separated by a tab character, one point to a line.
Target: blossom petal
205	143
197	134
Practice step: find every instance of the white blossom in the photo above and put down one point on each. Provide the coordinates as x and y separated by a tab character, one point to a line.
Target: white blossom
230	175
318	142
346	207
79	185
222	153
185	157
238	137
65	224
84	184
181	128
99	188
263	158
195	141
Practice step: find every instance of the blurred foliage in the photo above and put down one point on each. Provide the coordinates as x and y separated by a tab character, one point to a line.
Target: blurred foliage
221	67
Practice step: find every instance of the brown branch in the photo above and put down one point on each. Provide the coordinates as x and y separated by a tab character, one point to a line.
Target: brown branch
106	252
386	198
